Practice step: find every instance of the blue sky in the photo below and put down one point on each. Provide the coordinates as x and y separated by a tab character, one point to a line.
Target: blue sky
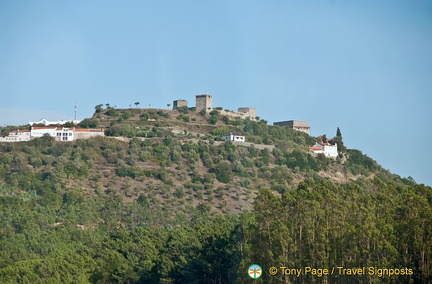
363	66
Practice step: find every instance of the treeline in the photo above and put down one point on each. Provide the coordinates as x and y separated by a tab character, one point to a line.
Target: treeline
319	225
322	225
42	253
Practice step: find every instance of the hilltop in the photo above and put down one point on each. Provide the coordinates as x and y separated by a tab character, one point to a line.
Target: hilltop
176	158
182	132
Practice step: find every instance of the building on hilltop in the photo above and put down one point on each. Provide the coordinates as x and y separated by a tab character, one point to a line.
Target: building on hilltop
243	112
327	149
58	122
248	111
65	133
295	124
58	133
180	103
204	102
17	136
234	136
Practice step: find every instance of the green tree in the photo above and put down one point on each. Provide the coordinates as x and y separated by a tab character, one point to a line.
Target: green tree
213	119
89	123
338	133
98	108
223	172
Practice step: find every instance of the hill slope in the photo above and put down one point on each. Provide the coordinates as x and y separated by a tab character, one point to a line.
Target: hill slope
170	204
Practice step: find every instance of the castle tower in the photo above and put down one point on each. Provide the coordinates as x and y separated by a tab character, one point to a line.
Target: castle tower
248	111
180	103
204	102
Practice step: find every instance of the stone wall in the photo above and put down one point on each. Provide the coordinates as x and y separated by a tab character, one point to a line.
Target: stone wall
88	133
180	103
292	123
295	124
243	113
249	111
247	144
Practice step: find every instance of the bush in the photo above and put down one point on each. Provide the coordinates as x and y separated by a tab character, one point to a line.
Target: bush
215	112
88	123
213	119
183	109
179	193
223	172
112	112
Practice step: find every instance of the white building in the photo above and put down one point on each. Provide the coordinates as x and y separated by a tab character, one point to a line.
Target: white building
234	136
59	133
324	148
17	136
65	133
59	122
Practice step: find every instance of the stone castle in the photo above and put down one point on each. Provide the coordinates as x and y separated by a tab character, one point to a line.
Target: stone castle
295	124
205	102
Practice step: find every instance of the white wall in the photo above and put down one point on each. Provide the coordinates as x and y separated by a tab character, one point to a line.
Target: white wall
237	138
330	151
16	137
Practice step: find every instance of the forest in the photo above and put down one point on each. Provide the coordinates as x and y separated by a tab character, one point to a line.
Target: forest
175	208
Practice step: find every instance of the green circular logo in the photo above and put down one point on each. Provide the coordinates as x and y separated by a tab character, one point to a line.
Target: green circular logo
254	271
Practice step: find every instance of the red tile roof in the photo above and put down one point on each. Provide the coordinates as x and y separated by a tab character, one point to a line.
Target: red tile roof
19	130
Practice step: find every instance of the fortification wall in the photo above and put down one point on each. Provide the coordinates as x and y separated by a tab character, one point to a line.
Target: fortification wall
180	103
243	112
250	111
298	125
292	123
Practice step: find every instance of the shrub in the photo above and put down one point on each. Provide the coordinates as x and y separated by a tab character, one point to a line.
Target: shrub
88	123
213	119
223	172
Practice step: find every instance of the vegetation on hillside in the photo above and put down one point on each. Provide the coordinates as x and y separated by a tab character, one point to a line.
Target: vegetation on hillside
170	206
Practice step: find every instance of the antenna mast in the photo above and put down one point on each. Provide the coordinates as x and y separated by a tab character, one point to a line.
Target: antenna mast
75	111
